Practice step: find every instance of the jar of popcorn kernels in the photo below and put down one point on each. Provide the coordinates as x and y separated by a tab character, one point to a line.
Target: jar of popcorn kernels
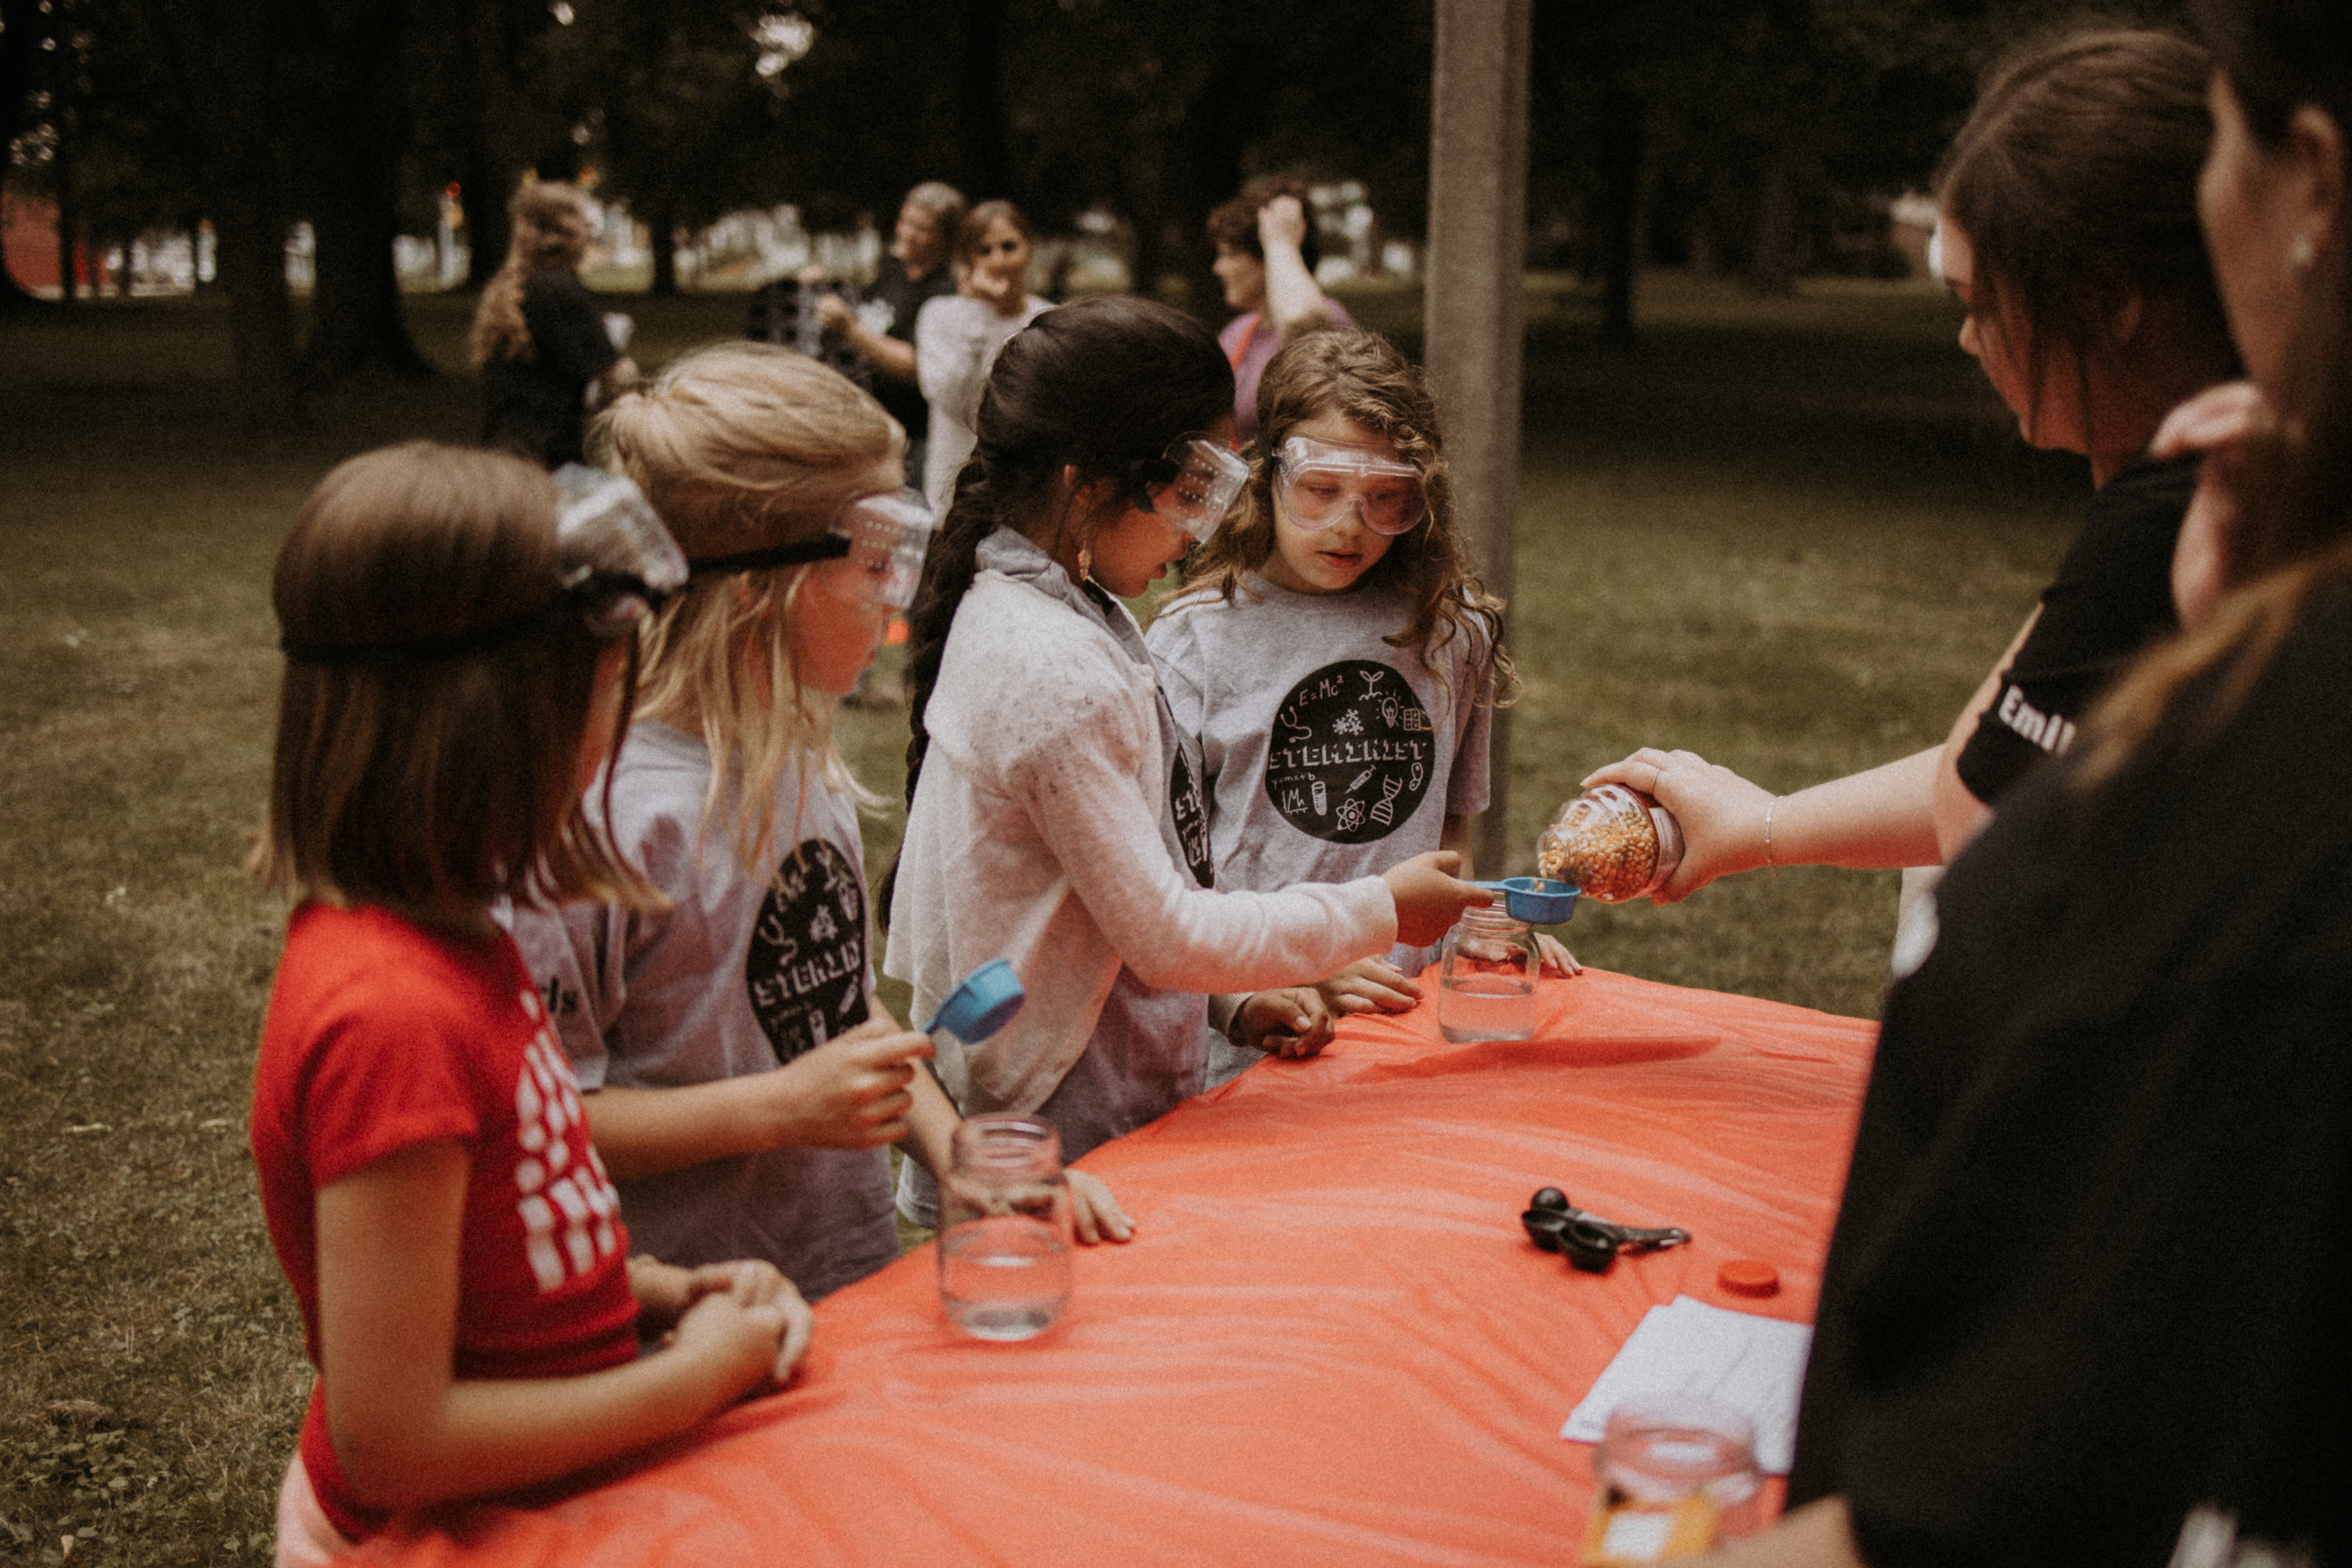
1614	843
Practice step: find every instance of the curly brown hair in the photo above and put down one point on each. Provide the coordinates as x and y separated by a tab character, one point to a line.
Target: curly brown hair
550	230
1360	374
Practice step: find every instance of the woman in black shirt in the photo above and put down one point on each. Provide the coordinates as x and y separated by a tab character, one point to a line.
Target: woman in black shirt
2087	1298
538	335
2069	232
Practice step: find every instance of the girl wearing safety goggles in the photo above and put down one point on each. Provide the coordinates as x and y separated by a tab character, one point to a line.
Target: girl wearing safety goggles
1054	821
1333	656
742	1075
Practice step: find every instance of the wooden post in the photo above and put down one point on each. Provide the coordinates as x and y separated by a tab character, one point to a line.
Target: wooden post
1474	314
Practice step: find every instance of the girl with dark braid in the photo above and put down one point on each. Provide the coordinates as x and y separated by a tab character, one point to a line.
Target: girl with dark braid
1053	819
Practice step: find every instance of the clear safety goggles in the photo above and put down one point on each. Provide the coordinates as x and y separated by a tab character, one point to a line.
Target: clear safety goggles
1193	484
1318	482
614	564
871	553
613	555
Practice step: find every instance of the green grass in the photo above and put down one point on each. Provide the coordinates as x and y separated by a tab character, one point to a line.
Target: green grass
1789	535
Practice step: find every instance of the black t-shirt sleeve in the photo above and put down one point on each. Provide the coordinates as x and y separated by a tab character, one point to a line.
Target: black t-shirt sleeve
567	330
2112	597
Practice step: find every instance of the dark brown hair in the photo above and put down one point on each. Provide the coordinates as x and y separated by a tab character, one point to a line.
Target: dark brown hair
2075	180
1102	384
1362	376
2293	535
1235	222
432	778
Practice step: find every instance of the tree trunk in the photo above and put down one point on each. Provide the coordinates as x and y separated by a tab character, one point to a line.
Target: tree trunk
661	236
356	327
1773	270
226	51
68	217
1623	149
489	181
987	166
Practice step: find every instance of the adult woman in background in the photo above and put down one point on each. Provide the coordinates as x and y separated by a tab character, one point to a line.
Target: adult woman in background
1267	255
539	336
957	336
2086	1299
2069	232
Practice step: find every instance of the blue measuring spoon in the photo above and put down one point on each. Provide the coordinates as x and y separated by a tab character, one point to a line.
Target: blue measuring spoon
1539	901
983	1003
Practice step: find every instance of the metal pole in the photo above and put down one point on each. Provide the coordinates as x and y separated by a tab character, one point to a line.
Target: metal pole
1474	313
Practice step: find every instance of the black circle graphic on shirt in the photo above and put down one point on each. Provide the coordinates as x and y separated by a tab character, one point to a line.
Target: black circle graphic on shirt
1351	752
1190	814
806	972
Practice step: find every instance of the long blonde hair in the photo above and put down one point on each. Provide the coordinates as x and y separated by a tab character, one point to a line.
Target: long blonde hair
550	230
1362	376
743	447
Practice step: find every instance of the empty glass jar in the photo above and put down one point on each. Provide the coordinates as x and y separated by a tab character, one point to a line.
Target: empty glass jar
1486	978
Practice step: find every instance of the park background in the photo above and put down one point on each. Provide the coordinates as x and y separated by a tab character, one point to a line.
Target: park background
1768	510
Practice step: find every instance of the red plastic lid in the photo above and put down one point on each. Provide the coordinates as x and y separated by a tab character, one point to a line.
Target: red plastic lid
1748	1277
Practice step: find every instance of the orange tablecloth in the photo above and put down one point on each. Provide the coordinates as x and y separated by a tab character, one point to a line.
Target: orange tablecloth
1331	1342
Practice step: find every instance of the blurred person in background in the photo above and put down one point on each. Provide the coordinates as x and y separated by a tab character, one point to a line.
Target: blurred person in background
1267	256
957	336
880	329
539	336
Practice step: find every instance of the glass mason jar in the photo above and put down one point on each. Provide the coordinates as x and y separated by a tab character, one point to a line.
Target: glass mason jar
1676	1475
1005	1228
1486	978
1613	842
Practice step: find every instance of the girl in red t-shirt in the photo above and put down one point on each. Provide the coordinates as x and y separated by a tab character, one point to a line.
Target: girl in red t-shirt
458	629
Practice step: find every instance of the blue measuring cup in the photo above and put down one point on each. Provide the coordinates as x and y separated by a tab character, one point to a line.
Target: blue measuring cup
983	1003
1539	901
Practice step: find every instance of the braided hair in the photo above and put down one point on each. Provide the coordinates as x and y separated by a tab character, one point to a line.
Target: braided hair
1102	384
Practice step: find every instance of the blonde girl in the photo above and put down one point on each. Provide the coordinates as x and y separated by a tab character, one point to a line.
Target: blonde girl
456	659
1332	654
742	1076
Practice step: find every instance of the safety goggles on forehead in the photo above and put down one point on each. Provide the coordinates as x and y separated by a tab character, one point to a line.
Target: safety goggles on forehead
613	555
614	564
872	553
1316	482
1193	484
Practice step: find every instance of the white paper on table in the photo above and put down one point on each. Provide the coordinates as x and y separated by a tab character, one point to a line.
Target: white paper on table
1757	1364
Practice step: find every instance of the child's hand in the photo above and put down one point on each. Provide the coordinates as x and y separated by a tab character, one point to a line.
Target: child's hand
1428	898
1093	1213
850	1092
753	1331
1291	1021
1558	962
664	1290
1370	985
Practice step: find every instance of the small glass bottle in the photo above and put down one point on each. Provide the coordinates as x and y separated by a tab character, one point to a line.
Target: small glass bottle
1486	978
1005	1228
1612	842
